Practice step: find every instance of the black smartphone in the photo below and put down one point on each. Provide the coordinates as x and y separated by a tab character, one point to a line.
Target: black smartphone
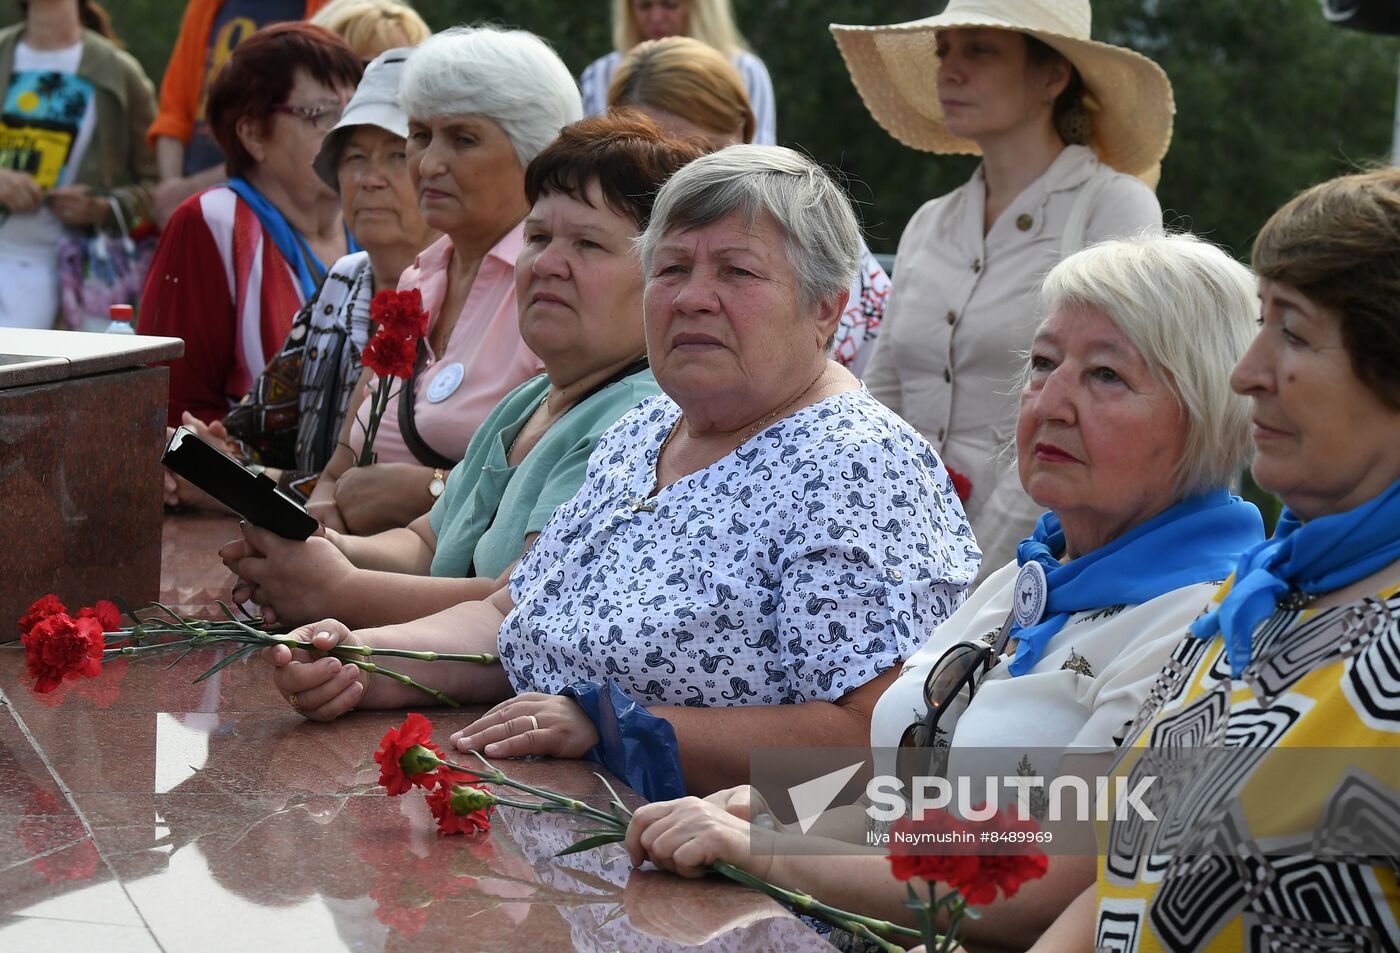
253	496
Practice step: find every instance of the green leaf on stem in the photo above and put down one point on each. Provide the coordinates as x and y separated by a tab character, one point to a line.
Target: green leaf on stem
588	843
226	661
616	798
179	657
238	622
174	616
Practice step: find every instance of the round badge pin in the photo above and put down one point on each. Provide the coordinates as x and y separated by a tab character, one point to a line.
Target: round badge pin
1032	592
445	383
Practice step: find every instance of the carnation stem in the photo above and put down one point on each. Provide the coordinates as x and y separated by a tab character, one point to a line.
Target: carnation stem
378	405
570	805
341	651
402	679
865	927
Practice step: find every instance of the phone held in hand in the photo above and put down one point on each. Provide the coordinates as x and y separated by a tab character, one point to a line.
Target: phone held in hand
253	496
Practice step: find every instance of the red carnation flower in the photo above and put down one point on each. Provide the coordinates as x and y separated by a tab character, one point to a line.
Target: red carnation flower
460	808
105	612
60	647
39	611
390	355
400	313
976	876
928	849
407	756
1002	871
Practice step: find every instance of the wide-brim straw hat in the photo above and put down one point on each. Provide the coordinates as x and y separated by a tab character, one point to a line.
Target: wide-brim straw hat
375	103
895	69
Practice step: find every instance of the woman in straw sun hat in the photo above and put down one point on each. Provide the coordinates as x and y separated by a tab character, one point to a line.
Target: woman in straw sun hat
1063	125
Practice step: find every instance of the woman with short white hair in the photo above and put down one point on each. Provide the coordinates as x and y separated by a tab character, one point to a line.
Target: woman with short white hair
709	21
481	103
1129	434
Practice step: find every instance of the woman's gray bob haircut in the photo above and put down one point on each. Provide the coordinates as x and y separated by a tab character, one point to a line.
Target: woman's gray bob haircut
823	239
511	77
1189	309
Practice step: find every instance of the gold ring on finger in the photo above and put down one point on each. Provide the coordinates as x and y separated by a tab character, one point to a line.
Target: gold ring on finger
534	723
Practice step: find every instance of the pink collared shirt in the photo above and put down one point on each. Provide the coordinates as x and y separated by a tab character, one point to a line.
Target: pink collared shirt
485	355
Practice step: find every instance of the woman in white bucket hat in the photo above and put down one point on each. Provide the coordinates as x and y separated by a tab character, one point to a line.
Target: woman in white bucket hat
1064	124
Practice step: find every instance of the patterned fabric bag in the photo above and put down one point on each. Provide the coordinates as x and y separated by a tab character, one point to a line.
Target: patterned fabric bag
99	268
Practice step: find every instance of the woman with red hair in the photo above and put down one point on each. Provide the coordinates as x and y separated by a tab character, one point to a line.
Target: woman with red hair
237	261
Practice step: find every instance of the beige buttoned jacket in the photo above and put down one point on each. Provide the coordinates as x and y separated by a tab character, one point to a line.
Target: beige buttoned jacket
961	316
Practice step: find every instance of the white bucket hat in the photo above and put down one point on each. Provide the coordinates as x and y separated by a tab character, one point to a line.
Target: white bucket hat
375	103
1127	95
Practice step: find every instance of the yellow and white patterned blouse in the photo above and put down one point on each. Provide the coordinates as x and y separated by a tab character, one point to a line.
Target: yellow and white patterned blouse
1279	821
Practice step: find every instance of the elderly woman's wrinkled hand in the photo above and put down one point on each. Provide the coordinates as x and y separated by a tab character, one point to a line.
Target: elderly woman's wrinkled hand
530	724
688	835
320	689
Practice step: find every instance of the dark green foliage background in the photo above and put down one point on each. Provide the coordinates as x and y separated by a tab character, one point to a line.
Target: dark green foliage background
1270	97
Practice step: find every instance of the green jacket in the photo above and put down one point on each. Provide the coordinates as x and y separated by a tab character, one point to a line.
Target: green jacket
118	160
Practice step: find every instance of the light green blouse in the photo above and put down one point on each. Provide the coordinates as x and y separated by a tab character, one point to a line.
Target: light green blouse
482	518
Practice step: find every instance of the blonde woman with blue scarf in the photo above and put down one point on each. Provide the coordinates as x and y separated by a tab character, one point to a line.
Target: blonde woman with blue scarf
1301	652
1129	435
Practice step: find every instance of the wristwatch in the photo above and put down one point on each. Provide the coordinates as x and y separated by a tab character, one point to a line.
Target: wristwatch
438	483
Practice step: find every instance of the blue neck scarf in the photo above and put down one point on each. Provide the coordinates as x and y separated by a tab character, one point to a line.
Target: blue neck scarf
290	242
1315	557
1194	541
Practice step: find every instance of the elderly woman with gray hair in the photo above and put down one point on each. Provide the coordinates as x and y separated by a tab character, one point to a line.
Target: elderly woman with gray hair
1129	434
752	554
481	103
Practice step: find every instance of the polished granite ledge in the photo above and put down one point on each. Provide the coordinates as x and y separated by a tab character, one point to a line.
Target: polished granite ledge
141	812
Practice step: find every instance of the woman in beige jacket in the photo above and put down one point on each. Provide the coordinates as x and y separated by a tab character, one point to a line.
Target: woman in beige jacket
1013	80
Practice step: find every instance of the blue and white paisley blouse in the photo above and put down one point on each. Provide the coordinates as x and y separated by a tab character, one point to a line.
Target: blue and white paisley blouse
795	569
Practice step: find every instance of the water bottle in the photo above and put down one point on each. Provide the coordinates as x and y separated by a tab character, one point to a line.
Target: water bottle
123	319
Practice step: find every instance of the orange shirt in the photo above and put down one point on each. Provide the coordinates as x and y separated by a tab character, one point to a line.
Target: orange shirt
183	83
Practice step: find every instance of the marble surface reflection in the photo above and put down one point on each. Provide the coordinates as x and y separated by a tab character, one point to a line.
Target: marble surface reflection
141	812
